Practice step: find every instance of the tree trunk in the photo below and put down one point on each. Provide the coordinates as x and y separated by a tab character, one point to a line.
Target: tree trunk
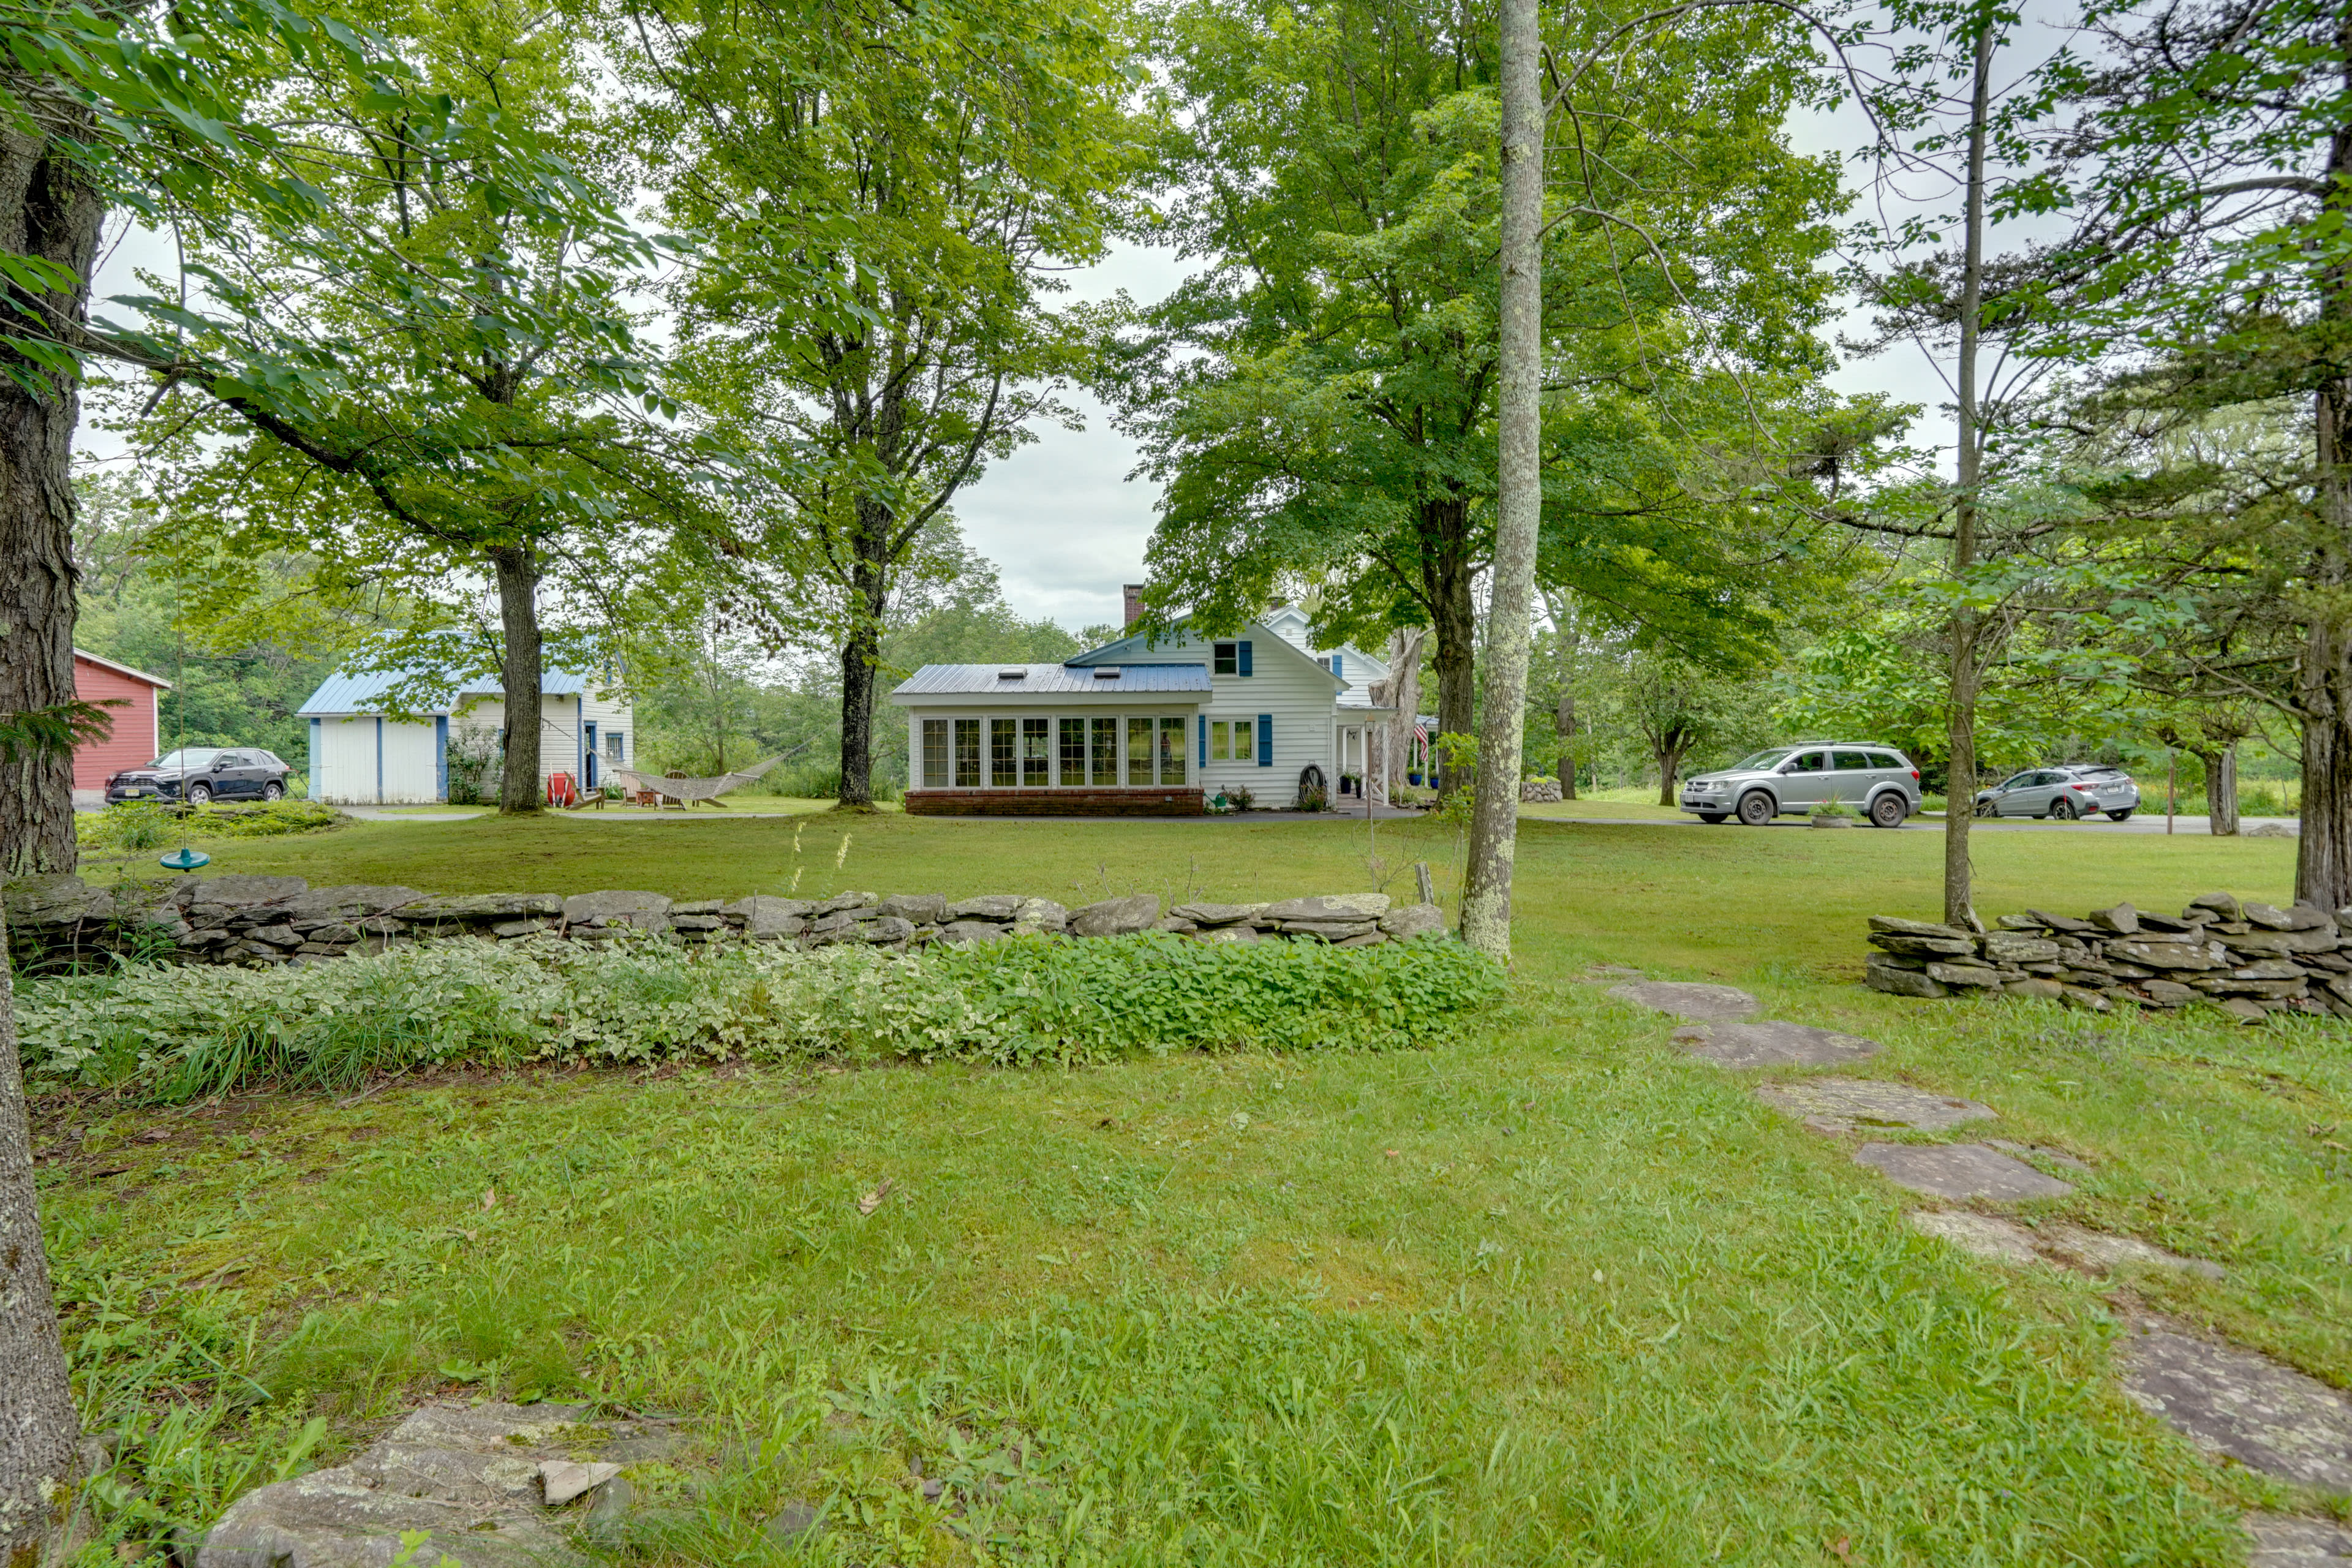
1519	509
2323	859
1960	714
1670	764
1404	694
46	211
40	1433
2221	790
1455	626
861	652
1563	715
519	672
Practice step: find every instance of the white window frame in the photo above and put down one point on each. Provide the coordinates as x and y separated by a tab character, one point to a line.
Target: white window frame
1122	719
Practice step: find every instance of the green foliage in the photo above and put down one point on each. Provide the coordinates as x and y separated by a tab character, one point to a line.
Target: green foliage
178	1033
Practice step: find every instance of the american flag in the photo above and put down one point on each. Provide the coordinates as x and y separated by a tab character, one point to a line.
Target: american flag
1421	733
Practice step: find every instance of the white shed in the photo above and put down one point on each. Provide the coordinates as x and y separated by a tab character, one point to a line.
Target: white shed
362	755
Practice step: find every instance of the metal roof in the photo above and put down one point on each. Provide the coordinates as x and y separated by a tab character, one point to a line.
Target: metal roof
1040	680
362	691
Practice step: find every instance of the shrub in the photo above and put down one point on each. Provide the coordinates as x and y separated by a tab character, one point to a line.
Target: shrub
174	1033
146	824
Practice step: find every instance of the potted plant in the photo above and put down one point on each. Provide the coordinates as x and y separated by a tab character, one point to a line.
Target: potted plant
1832	812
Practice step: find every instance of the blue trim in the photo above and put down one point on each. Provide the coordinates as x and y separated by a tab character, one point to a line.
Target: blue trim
379	759
1266	740
441	758
318	727
580	717
1204	740
1242	659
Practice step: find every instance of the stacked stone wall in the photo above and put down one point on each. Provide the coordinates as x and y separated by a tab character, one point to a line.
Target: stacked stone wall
2252	959
60	922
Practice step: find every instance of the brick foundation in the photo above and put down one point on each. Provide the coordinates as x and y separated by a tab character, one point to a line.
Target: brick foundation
1177	800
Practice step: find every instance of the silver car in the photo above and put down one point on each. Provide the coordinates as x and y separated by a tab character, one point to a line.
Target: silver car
2064	793
1790	781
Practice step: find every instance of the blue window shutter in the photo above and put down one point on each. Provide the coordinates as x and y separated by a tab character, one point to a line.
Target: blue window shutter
1204	740
1338	666
1244	658
441	757
1266	740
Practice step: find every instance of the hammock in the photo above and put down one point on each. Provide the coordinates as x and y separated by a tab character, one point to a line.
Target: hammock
686	792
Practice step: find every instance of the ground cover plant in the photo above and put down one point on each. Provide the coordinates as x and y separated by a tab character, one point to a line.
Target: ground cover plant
1551	1292
174	1033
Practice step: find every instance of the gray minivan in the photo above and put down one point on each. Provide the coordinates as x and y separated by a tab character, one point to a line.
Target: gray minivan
1790	781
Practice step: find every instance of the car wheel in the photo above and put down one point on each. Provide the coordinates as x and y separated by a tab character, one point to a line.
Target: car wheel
2122	816
273	790
1755	808
200	795
2062	811
1713	819
1987	808
1887	811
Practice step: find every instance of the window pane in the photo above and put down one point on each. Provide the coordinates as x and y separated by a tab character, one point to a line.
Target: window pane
1138	751
1105	750
1219	740
1222	658
1035	752
1244	739
967	753
1171	751
1000	753
1851	762
1884	760
935	754
1074	750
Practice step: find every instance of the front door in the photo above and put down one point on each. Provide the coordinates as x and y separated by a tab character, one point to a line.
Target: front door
588	760
1804	781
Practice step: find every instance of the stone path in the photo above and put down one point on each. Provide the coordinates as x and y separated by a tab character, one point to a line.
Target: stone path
2284	1542
1700	1003
2243	1405
1959	1171
485	1481
1835	1105
2007	1241
2229	1401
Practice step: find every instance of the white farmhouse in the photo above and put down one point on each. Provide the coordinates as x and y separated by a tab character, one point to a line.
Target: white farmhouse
362	754
1143	727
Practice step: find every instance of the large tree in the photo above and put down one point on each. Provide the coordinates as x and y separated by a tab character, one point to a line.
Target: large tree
2210	161
477	408
1320	401
888	191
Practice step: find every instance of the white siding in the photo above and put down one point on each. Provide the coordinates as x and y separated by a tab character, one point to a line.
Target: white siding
612	715
366	761
1285	683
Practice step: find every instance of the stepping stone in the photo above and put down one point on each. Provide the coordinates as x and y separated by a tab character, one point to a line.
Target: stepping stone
2022	1149
1844	1104
2242	1406
2106	1253
2003	1241
1700	1003
482	1476
1772	1043
2281	1541
1959	1171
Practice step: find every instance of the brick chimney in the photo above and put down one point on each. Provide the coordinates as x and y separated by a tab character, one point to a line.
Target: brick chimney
1134	591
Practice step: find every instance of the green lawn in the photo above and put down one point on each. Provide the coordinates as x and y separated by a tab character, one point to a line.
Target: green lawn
1552	1294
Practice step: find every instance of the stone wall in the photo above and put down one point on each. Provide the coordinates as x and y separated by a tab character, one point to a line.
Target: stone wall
2251	959
1539	791
56	921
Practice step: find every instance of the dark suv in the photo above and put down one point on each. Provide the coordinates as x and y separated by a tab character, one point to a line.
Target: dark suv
207	774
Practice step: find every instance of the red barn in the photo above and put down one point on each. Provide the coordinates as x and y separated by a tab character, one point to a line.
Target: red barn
138	726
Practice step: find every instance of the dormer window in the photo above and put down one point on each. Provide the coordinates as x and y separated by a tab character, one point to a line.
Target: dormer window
1225	658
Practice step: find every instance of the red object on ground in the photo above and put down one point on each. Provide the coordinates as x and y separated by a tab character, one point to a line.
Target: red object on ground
137	739
560	790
